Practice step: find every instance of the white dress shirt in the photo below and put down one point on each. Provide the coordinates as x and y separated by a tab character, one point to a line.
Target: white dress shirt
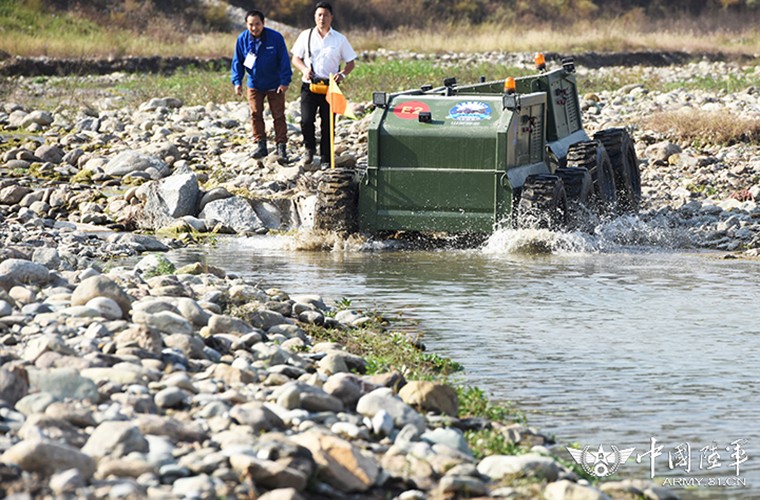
326	53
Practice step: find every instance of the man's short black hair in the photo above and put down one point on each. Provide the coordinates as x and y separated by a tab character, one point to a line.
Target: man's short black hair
323	5
254	12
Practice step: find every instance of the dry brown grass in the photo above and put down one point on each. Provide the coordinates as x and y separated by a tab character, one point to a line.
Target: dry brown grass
705	127
26	29
619	34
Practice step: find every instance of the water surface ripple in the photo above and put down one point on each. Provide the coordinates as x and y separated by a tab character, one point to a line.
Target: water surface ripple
612	348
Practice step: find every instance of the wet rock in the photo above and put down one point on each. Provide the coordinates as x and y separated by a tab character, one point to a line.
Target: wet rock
235	212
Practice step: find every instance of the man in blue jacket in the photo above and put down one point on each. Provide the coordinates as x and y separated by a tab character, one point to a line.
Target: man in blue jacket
261	52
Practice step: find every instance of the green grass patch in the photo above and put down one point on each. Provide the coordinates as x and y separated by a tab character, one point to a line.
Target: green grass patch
729	82
388	351
491	442
395	75
473	402
597	81
193	87
37	28
164	267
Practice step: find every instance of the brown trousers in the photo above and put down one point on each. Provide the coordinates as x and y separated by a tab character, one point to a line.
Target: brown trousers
276	107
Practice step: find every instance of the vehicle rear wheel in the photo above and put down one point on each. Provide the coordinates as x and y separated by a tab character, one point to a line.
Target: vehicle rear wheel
337	201
579	189
543	203
592	156
578	183
625	165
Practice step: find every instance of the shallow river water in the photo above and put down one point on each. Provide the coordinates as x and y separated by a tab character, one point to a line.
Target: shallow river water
599	344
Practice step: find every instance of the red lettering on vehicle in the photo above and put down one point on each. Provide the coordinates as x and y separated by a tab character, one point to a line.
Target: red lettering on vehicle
410	110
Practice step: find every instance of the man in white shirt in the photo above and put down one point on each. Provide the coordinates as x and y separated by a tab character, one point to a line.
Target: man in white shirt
318	53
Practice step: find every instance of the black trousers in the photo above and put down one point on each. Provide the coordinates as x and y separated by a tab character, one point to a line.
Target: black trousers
310	104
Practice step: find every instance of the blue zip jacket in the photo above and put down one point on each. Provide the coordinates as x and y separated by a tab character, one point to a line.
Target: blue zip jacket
272	66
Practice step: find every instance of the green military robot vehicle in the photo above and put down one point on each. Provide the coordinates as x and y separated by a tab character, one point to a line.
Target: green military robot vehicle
474	158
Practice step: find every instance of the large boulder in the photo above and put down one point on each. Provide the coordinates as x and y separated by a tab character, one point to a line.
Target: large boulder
130	161
384	399
341	464
430	396
235	212
166	200
47	458
180	194
101	286
10	195
20	271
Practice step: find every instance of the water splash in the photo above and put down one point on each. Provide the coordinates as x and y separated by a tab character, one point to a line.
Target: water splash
624	233
534	241
312	240
657	231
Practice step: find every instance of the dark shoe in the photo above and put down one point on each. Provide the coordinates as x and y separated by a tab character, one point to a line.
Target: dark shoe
308	158
282	152
261	150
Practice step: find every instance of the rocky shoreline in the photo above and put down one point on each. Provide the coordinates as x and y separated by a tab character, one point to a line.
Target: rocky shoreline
137	384
152	381
47	66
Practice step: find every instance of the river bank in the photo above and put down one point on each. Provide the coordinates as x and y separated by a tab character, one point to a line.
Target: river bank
198	383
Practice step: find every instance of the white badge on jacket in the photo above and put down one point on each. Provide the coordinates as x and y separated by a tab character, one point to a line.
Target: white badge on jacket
250	60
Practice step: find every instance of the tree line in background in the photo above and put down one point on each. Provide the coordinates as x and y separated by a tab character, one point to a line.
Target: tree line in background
389	14
206	15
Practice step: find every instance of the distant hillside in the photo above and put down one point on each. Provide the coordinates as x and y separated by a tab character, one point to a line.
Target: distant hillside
226	15
389	14
207	28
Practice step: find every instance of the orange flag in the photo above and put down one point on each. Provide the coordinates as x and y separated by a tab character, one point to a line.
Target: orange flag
335	98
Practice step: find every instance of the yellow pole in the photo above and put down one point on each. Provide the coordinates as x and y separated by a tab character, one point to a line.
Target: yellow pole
332	139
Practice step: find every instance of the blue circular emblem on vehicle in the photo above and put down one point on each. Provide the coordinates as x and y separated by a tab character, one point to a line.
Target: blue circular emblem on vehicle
470	111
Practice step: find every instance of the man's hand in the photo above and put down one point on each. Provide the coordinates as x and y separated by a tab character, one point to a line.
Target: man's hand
282	89
239	89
